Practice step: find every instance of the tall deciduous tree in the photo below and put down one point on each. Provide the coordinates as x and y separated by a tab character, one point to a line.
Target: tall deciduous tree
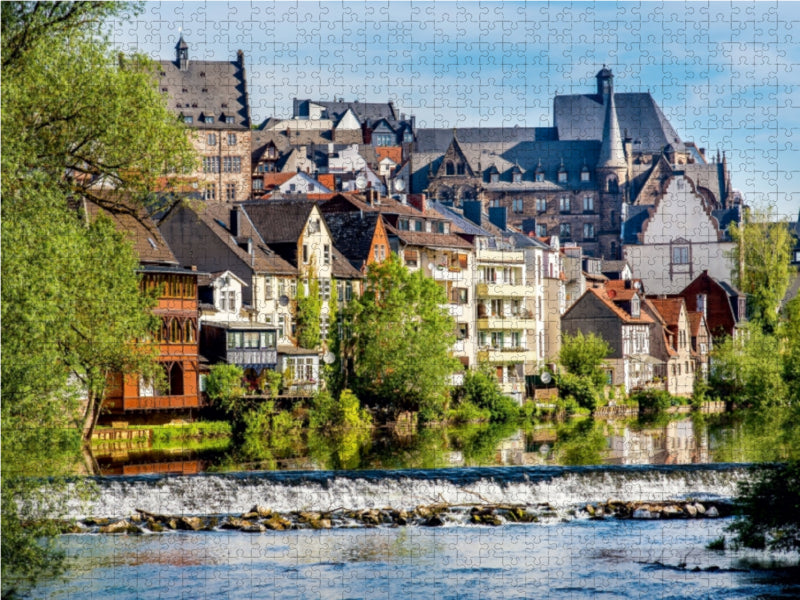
399	336
582	357
761	265
73	115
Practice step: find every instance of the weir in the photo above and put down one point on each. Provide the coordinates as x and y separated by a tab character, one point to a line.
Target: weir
560	487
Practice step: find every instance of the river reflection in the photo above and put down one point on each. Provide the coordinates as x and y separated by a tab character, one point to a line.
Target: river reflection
744	437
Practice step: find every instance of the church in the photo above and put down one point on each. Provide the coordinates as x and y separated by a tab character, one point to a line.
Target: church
608	159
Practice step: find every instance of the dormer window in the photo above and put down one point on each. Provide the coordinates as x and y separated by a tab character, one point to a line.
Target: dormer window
204	90
562	177
209	119
188	119
184	90
494	178
516	177
585	175
229	120
202	73
408	137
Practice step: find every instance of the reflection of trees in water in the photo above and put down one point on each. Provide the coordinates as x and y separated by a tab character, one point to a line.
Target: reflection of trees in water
755	436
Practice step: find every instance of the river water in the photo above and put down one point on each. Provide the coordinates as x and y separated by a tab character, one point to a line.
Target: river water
563	555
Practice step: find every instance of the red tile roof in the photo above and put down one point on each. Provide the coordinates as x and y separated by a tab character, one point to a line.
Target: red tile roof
669	308
623	315
394	153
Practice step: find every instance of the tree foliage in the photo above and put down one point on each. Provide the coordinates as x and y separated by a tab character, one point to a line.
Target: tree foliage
399	338
224	388
769	509
480	388
73	114
761	265
309	310
582	357
747	370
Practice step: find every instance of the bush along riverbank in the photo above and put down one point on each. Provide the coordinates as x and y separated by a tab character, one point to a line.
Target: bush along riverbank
260	519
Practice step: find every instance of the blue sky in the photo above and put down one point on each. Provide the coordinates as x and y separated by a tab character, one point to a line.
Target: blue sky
727	75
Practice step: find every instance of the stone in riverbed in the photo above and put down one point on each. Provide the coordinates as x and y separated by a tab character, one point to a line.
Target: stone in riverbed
254	528
434	521
712	512
690	510
121	526
643	513
190	523
277	523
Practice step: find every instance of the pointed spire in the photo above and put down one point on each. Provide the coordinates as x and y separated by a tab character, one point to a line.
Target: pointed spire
612	153
182	53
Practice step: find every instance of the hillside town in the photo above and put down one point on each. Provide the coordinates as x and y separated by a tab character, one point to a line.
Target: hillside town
606	223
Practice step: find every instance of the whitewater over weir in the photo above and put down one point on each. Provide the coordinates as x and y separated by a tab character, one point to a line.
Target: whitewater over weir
560	487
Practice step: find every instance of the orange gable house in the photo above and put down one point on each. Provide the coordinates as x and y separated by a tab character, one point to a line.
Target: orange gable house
177	337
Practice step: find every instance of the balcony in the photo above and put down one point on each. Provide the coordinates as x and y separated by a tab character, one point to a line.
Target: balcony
513	386
510	322
501	256
506	355
252	357
444	273
501	290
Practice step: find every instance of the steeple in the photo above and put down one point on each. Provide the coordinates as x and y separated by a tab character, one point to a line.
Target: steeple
182	54
612	154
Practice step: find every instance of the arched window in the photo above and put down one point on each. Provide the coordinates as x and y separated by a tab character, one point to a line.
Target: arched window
175	380
190	331
164	331
460	168
448	168
175	331
612	185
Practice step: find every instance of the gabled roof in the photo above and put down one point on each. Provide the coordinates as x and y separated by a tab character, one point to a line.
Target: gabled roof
430	240
147	240
207	87
669	309
613	307
274	180
393	153
279	221
363	110
696	319
217	218
353	233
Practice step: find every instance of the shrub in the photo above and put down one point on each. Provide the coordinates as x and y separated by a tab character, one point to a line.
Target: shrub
480	388
467	412
580	388
652	401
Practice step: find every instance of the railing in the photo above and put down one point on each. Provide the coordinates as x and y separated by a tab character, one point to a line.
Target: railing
506	322
502	290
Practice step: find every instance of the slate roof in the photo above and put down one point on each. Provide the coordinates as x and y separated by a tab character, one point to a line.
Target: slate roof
581	117
217	218
430	240
613	266
148	242
623	315
363	110
352	234
212	88
638	214
438	140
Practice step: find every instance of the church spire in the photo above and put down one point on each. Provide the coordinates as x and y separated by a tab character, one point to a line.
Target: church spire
182	54
612	154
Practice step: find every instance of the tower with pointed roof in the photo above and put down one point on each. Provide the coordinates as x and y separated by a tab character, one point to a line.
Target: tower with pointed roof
182	54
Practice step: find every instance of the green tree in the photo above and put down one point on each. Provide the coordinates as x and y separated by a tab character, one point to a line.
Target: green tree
789	332
481	389
769	508
761	264
582	357
400	337
73	114
747	370
309	310
224	388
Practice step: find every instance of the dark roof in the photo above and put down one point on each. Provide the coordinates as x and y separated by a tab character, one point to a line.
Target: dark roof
207	88
279	221
581	117
217	218
372	111
632	227
725	217
430	240
147	240
352	234
438	140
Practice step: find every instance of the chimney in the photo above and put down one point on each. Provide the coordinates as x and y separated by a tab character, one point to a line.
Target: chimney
234	227
472	211
498	217
418	201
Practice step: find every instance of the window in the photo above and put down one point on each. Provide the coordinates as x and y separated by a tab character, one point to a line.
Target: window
229	121
541	205
230	192
462	331
268	288
588	231
541	230
383	139
585	175
516	177
326	254
210	193
231	138
449	169
680	255
251	339
516	205
408	137
562	177
232	164
258	184
564	204
305	254
539	176
701	303
459	296
494	203
325	289
209	119
588	204
231	301
211	164
402	224
612	186
416	225
188	120
494	177
565	231
211	139
635	308
460	169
